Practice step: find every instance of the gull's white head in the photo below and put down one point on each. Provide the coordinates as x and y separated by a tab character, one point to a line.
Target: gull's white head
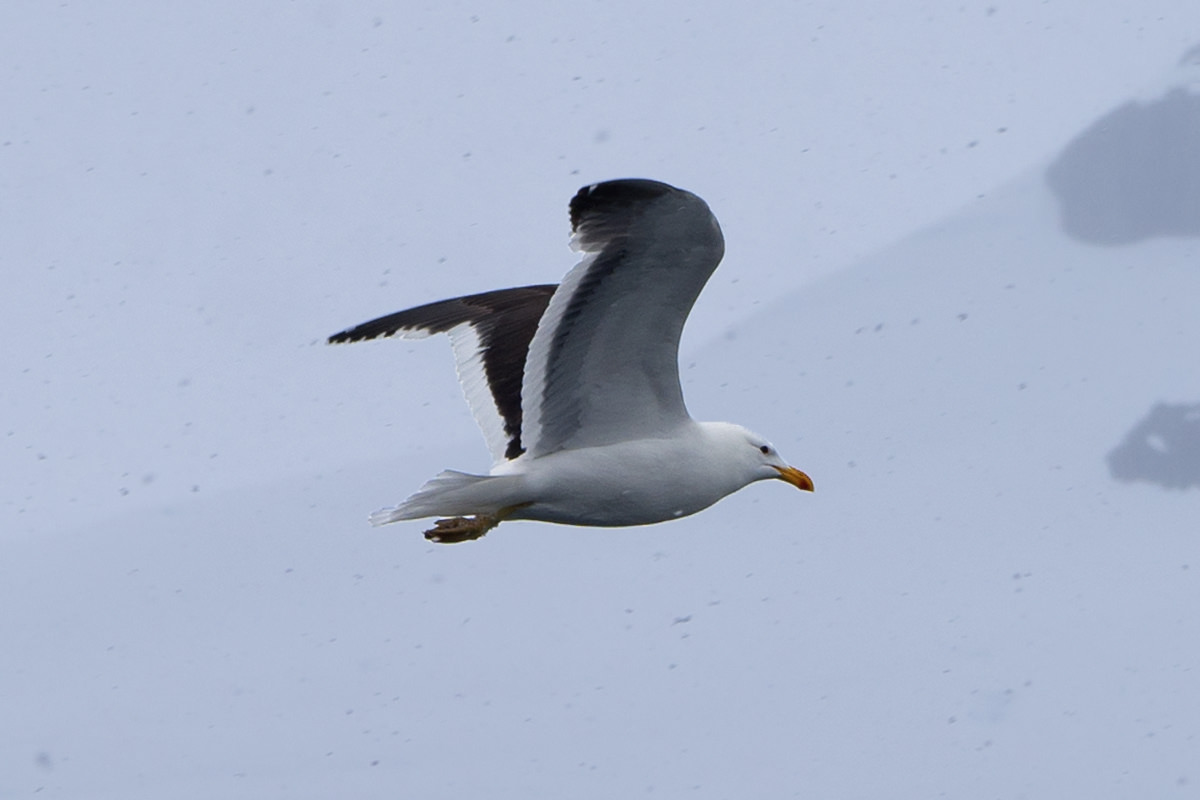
755	457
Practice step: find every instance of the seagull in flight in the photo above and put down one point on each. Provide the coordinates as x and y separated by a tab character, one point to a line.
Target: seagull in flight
576	385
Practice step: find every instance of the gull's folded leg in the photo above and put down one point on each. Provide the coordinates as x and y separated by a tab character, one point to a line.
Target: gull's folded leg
465	529
461	529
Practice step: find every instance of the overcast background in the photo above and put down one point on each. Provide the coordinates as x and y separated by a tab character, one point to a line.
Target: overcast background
959	291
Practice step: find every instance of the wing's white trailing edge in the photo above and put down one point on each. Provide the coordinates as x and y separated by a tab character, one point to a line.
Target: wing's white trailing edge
468	358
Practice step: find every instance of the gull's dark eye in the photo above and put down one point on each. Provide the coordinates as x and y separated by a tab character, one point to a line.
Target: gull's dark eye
765	450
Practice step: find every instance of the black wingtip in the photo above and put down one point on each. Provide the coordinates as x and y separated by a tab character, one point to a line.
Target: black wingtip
609	197
355	334
524	303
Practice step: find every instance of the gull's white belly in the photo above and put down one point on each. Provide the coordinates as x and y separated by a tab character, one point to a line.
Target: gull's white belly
627	483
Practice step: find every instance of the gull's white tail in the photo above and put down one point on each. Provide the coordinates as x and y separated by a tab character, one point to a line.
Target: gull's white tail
454	494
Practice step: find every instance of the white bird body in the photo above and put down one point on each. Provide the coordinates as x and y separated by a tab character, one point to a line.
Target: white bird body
562	487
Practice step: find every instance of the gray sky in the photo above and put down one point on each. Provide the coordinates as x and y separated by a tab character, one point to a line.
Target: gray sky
978	600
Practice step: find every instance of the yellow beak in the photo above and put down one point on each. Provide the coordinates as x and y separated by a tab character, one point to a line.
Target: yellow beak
796	478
